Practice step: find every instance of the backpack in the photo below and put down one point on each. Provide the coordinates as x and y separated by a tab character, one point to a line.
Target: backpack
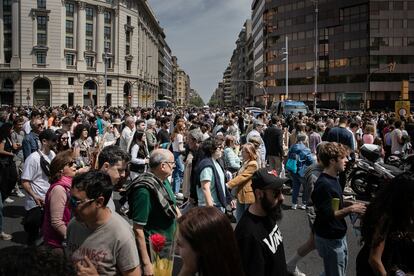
292	163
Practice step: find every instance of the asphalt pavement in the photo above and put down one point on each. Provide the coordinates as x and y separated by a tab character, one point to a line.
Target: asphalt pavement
294	227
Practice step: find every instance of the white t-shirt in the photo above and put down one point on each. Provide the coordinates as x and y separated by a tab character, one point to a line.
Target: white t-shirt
179	139
126	138
26	127
39	181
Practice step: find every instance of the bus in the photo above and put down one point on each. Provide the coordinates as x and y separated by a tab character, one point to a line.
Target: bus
163	104
289	107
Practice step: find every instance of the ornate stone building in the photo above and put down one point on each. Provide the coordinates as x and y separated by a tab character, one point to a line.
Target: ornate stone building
55	52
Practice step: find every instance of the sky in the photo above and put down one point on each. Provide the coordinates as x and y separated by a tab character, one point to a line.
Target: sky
202	34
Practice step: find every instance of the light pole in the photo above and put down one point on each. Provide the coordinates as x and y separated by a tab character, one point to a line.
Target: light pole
390	67
316	67
258	84
146	79
286	60
106	75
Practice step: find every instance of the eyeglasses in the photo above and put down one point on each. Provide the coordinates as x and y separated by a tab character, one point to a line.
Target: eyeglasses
170	163
39	125
74	202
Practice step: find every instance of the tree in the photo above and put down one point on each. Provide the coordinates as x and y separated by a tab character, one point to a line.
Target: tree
196	101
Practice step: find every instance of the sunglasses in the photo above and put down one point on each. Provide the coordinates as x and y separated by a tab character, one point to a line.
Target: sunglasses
64	138
39	125
71	163
74	202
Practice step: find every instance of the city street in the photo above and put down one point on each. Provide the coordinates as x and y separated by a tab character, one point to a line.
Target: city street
294	227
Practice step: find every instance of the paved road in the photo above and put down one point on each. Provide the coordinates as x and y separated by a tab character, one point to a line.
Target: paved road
294	228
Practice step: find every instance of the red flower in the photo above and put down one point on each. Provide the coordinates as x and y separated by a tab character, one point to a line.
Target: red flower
157	242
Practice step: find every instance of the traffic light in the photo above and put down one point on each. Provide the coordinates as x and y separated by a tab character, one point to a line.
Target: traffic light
404	90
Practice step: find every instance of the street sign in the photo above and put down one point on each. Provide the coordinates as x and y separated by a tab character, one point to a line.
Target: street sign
402	108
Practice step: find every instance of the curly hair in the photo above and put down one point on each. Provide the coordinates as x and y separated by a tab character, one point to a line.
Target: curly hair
331	150
77	132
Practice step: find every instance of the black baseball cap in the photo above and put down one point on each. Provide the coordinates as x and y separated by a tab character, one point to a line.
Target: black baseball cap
48	135
267	178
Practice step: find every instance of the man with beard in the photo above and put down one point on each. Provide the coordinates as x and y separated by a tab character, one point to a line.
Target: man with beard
258	235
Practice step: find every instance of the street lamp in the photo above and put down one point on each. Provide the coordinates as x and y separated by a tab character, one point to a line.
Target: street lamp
147	78
260	85
286	60
390	67
315	69
106	74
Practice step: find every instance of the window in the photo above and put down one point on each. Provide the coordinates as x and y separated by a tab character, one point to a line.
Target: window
70	9
89	45
89	13
7	5
89	29
108	82
410	41
127	49
7	21
108	17
8	40
109	63
128	37
410	23
108	46
70	58
69	42
384	6
398	23
69	26
384	23
398	41
89	61
41	58
41	39
128	20
41	23
410	5
128	65
71	81
41	4
107	32
398	5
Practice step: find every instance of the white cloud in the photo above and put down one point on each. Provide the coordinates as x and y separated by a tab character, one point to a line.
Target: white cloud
202	34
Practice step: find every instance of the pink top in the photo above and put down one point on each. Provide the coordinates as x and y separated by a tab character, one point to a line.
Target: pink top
57	212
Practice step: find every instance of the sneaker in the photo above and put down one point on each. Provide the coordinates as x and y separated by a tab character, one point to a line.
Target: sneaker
303	207
5	237
179	196
9	200
20	193
294	206
294	271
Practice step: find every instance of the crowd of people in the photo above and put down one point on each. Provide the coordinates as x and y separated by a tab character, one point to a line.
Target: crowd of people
180	175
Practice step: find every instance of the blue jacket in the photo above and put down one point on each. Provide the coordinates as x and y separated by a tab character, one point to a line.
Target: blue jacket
304	153
30	144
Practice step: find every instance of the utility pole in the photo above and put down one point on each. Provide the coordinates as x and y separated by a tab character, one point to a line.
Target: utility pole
106	76
316	67
286	59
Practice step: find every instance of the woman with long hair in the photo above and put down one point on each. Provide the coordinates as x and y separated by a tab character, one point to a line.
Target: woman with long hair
243	181
8	172
139	154
388	230
82	145
62	141
207	244
230	158
177	139
56	210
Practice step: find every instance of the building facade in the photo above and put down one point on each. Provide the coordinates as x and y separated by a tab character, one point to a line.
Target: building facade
165	69
182	87
358	42
55	52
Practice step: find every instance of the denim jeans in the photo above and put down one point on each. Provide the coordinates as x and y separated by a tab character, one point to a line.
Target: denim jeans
297	181
178	173
240	209
1	213
334	253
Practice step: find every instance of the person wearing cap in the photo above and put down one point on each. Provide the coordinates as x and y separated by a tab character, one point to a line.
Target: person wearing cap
35	181
257	233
